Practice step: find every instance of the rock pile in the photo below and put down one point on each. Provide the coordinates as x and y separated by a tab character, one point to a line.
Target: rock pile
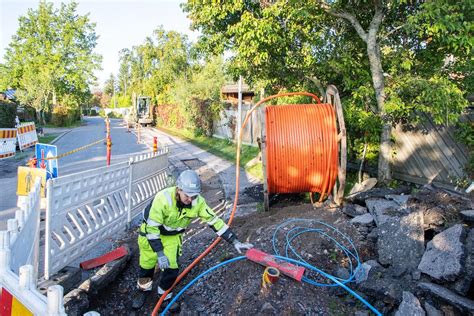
425	250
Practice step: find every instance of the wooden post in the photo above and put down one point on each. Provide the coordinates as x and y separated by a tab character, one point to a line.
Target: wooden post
266	195
332	97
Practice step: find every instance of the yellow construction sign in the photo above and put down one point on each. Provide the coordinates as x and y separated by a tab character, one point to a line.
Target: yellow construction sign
26	180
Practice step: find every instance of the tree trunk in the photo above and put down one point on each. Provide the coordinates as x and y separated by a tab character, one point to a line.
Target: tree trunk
373	52
376	70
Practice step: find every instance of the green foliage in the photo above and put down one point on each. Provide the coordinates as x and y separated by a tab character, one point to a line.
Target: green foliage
109	87
51	58
411	97
47	139
64	116
114	115
120	101
424	51
198	98
7	114
150	69
464	132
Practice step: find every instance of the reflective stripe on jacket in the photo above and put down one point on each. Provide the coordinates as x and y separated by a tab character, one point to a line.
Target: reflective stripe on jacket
165	218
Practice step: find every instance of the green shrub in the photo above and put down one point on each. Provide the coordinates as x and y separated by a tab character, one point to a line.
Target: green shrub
89	112
114	115
64	116
7	114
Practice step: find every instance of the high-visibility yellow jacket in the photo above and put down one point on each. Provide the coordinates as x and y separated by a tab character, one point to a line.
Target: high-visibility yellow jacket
165	217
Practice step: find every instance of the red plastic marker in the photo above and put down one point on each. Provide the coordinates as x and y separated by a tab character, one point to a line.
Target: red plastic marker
110	256
265	259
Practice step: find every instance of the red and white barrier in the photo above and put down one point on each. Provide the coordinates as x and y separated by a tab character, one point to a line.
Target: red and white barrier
26	134
7	142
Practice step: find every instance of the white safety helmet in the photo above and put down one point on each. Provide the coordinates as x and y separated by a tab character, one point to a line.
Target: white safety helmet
189	182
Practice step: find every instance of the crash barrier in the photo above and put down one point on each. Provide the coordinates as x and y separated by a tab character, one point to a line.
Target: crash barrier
26	134
7	142
18	264
148	176
84	208
23	230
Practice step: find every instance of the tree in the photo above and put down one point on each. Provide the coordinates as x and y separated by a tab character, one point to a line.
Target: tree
50	59
125	56
198	95
374	50
152	67
110	85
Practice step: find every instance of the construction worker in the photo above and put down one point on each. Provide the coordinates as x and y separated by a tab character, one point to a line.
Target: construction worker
164	222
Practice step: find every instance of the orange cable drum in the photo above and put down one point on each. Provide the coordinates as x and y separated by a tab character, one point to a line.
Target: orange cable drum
301	142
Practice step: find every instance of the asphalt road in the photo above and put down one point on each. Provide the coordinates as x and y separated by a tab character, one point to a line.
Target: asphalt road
123	146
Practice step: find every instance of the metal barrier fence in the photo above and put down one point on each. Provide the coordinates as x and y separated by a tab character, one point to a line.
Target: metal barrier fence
19	263
84	208
147	177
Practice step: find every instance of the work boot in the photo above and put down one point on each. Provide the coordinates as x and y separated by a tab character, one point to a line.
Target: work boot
144	286
175	308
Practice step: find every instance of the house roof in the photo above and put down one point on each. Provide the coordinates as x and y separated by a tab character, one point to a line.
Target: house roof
234	88
9	94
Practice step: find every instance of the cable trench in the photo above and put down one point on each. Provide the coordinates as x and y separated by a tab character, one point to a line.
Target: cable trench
275	151
291	230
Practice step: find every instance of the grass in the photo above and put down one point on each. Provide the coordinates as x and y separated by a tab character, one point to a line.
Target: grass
47	138
222	148
75	124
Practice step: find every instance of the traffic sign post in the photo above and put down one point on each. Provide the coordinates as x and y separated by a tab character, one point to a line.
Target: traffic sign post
43	152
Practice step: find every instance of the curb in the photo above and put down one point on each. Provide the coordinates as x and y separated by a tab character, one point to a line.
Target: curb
227	196
59	137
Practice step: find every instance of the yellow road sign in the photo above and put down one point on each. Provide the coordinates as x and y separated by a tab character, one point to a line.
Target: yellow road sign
26	180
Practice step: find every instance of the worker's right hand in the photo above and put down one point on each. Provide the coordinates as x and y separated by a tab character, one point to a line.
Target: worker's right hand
163	261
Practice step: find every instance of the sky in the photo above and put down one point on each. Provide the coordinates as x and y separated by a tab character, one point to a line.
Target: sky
120	24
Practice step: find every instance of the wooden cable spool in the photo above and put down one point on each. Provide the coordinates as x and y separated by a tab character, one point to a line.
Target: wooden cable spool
304	148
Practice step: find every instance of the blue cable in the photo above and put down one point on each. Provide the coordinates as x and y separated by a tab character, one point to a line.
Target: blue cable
290	236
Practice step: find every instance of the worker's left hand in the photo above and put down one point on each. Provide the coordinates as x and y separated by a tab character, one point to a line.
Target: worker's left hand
241	246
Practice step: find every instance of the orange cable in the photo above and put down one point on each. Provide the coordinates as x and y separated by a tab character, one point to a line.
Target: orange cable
237	182
301	148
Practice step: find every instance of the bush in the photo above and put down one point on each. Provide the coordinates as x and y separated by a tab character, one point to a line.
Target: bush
89	112
114	115
64	116
7	114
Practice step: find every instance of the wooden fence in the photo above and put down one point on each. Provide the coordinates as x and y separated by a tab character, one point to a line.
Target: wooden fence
226	126
430	154
427	155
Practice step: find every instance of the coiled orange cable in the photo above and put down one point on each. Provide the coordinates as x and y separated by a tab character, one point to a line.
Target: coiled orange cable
301	143
329	172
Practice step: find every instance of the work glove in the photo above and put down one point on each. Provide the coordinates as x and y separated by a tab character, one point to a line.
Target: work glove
163	261
241	246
